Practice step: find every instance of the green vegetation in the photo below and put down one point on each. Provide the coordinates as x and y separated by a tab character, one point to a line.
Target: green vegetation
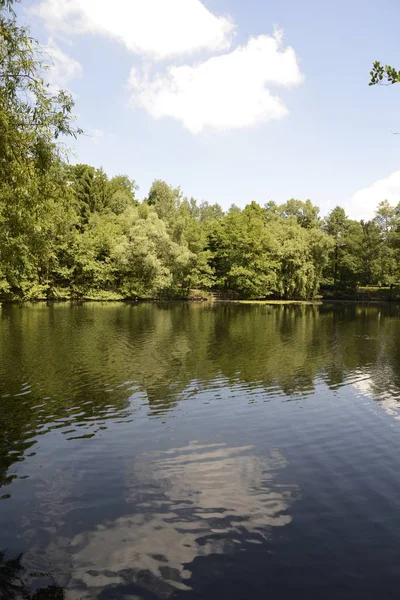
71	232
384	75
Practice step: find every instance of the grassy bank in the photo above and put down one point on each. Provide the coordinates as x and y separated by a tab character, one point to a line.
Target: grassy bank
360	295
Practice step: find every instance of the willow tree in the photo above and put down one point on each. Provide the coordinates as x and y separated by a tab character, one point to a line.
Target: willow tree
32	118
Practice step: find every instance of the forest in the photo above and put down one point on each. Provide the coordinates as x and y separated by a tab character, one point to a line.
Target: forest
70	231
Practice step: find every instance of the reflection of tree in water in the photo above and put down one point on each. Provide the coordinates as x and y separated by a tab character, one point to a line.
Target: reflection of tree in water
76	368
13	587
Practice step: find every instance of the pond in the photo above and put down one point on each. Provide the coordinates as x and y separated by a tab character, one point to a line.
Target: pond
199	451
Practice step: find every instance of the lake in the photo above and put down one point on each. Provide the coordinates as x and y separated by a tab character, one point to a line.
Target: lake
199	452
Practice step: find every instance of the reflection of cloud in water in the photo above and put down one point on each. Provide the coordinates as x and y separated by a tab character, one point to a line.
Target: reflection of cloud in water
191	502
364	386
381	390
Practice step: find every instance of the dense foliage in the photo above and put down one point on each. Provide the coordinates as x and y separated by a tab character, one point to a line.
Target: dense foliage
85	235
70	231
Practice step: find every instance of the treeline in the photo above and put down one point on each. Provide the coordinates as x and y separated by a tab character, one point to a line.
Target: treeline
85	235
70	231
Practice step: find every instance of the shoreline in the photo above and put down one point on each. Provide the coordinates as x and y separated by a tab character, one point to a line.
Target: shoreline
316	302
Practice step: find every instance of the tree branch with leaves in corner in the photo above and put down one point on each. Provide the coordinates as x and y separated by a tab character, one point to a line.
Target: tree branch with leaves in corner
383	75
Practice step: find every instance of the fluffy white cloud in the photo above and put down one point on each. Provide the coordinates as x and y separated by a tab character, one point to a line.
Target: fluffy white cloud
159	28
364	202
62	68
225	92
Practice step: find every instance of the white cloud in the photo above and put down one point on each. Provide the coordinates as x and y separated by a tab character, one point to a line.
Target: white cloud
224	92
364	202
62	68
158	28
380	388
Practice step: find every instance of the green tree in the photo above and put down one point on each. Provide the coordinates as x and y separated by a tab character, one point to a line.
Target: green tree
344	269
386	268
32	117
305	213
149	262
369	250
259	256
165	200
120	194
300	255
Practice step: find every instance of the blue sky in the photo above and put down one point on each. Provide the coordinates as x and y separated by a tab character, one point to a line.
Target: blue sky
203	95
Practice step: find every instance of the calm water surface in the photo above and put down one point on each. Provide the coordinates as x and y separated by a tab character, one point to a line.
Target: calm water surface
206	452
